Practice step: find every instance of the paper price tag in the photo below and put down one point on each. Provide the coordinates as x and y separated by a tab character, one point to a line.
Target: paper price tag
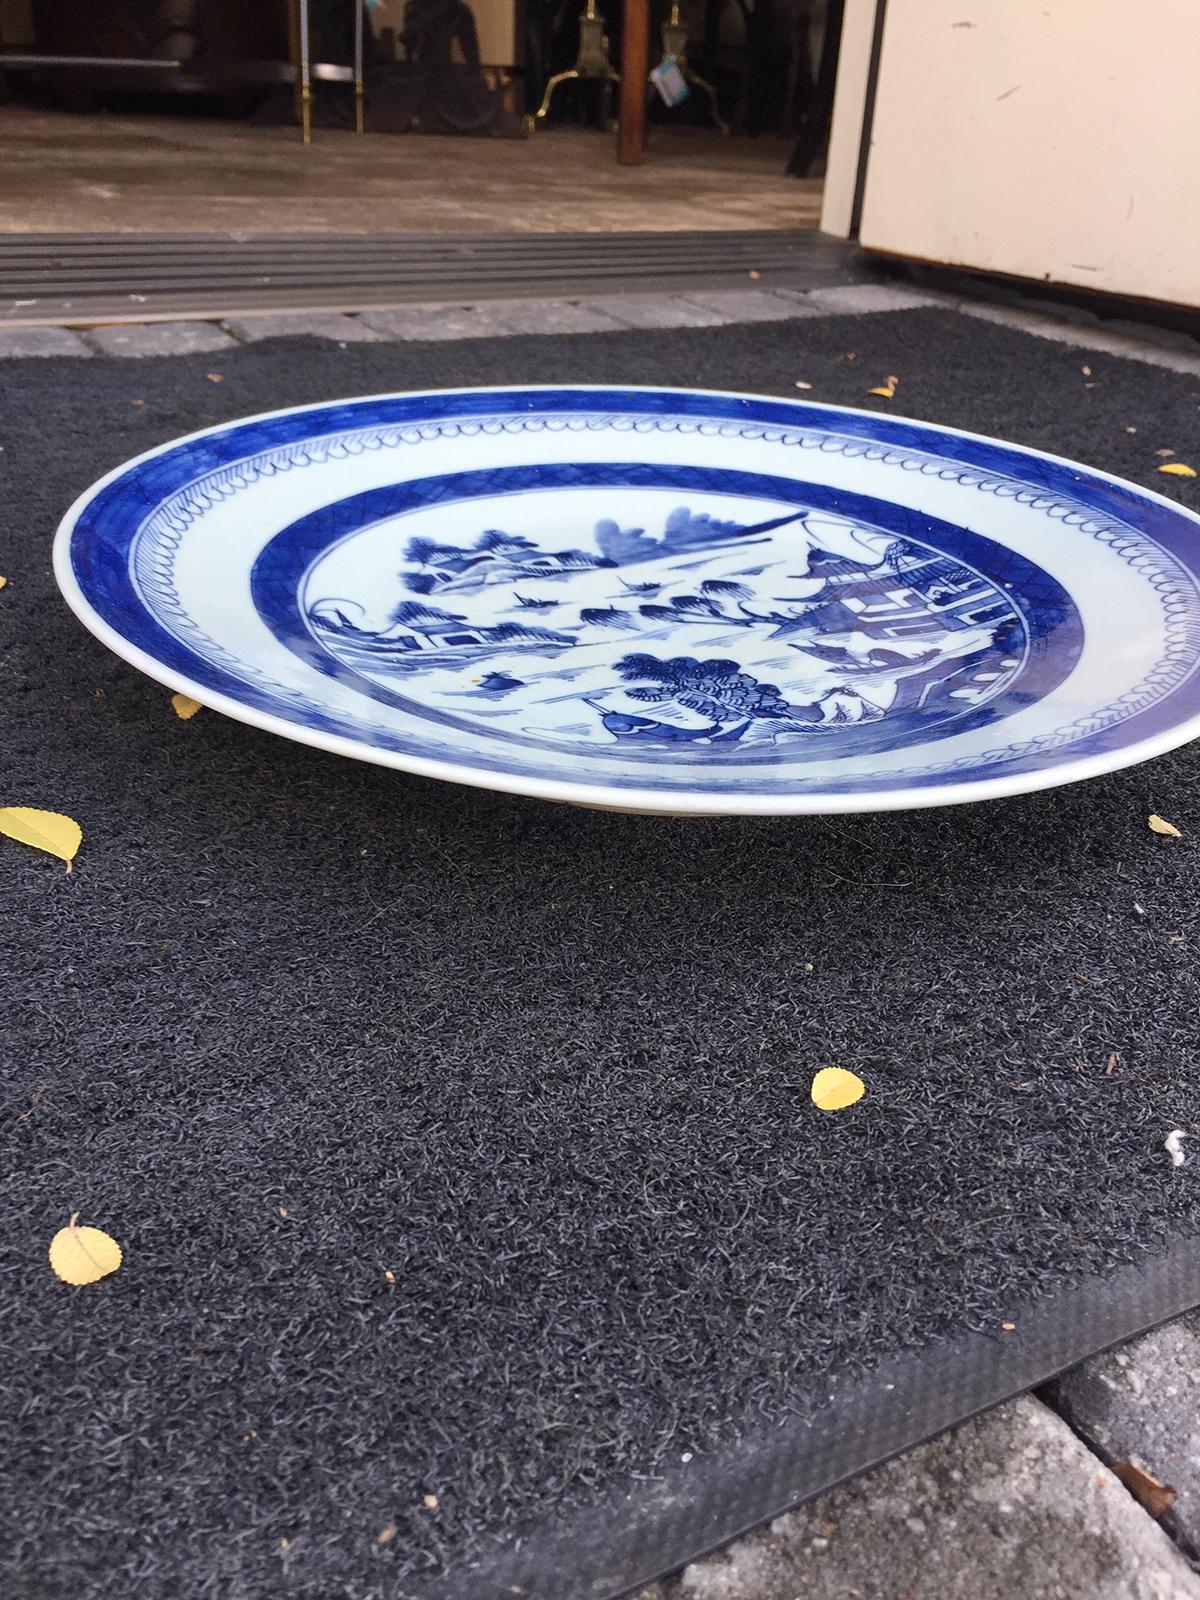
670	83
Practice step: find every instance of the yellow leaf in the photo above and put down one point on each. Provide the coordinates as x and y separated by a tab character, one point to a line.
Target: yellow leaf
3	583
45	830
185	706
1160	825
214	377
83	1255
887	388
833	1089
1176	469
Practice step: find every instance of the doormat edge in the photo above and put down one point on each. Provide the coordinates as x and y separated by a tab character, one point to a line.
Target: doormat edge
614	1549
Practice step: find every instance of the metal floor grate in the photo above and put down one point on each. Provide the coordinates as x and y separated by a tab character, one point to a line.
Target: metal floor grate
83	278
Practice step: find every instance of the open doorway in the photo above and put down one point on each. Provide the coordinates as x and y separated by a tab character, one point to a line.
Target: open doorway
180	116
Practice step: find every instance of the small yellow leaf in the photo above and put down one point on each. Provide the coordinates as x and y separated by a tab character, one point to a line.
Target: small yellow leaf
83	1255
1161	825
3	583
45	830
833	1089
185	706
215	377
887	388
1177	469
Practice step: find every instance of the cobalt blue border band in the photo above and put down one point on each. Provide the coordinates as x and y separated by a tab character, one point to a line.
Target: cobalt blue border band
1053	626
194	472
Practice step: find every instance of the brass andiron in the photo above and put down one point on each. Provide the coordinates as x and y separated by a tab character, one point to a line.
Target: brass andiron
674	43
592	61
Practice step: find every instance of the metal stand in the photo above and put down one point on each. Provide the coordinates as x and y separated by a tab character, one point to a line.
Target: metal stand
309	71
593	62
301	75
675	40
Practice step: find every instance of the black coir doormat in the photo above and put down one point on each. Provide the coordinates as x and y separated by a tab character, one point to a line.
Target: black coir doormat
480	1237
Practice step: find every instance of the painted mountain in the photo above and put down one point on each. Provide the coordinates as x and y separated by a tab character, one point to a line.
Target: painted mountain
495	557
426	634
685	530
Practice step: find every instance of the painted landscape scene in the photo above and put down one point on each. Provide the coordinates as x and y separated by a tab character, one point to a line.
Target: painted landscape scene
677	624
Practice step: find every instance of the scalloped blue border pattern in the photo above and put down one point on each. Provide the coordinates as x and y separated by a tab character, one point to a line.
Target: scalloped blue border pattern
125	539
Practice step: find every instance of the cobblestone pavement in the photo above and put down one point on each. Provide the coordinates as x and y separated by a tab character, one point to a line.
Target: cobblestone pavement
1142	1404
1013	1504
1027	1501
701	308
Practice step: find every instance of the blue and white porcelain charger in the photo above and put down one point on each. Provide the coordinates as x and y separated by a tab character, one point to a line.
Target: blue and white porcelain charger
655	600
